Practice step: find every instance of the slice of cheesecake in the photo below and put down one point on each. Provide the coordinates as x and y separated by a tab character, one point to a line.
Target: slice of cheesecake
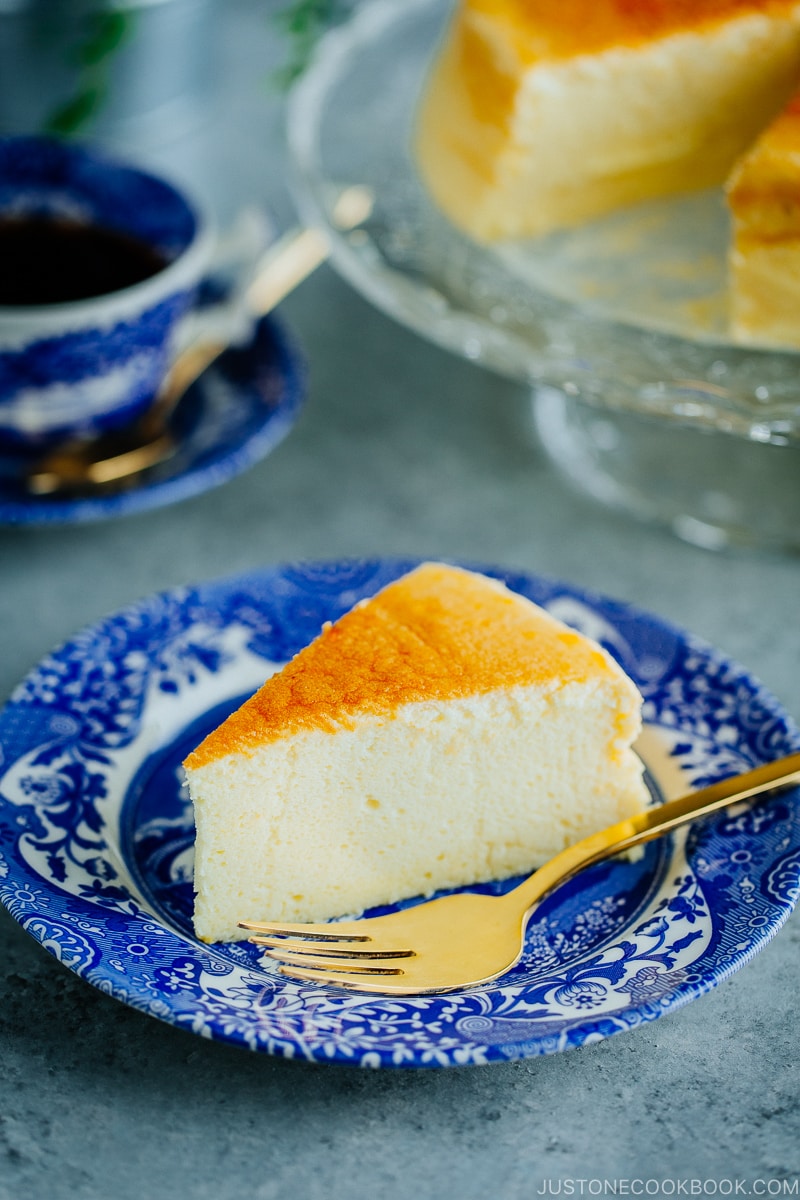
444	732
764	266
541	115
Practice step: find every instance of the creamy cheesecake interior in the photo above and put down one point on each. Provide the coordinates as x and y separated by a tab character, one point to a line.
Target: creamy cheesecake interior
442	795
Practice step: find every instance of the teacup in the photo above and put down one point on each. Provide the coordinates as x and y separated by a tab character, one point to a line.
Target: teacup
90	318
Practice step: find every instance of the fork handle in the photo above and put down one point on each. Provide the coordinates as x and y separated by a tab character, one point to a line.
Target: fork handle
645	826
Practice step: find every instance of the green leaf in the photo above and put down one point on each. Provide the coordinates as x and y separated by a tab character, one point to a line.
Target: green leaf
71	116
304	23
306	16
106	33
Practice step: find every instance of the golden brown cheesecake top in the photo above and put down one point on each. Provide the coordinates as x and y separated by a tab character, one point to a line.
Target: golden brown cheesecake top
493	40
438	633
562	29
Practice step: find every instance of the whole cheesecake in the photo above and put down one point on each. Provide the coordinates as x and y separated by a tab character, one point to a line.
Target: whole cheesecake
764	262
444	732
541	115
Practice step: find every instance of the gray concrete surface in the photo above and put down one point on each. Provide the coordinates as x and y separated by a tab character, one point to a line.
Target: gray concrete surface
401	449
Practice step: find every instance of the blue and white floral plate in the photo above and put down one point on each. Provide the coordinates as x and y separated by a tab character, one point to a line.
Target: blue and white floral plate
231	418
96	833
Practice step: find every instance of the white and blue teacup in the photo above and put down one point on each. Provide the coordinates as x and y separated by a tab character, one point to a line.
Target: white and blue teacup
82	367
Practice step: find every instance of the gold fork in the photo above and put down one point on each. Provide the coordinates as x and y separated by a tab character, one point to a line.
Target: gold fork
464	939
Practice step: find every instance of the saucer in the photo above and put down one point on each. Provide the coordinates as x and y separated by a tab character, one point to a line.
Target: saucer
231	418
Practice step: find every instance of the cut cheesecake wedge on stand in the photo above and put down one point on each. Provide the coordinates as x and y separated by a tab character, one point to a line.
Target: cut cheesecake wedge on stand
444	732
538	116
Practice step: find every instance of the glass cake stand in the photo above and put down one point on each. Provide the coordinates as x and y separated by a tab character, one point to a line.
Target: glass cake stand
618	327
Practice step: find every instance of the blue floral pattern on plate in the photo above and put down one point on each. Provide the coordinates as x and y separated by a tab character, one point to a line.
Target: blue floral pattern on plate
230	419
96	833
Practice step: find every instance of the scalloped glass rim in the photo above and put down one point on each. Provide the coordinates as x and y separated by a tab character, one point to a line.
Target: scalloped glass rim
350	122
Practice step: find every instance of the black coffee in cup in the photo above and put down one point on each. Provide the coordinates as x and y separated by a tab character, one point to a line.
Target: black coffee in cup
55	261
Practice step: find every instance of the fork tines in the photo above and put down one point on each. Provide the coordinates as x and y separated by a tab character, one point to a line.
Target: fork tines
306	952
284	947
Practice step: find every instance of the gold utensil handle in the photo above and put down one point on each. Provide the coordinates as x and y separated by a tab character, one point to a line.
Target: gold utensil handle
654	822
